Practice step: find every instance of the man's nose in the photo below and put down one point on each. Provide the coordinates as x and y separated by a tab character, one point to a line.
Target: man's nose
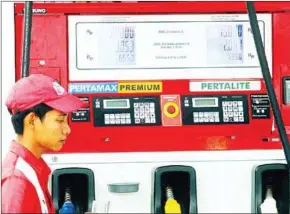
67	129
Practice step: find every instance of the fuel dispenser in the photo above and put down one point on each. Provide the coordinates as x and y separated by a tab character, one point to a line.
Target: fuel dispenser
161	92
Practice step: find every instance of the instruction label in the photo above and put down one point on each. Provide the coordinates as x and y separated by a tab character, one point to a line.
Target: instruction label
225	86
139	87
260	106
83	114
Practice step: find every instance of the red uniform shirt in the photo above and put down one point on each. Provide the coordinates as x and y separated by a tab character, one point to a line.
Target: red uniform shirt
18	193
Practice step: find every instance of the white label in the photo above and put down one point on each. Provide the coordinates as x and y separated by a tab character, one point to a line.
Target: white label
58	88
225	86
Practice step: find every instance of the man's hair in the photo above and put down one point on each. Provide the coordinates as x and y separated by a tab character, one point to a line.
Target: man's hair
18	119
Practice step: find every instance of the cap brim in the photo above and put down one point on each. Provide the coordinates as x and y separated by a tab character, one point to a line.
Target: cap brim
66	104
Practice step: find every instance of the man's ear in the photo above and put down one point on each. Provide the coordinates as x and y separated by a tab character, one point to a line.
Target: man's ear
30	120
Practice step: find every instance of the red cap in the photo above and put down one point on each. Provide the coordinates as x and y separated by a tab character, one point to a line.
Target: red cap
38	88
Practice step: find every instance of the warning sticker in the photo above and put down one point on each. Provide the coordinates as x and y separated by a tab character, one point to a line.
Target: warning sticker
139	87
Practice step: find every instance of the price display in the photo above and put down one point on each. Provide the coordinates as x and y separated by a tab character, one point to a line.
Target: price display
116	45
225	44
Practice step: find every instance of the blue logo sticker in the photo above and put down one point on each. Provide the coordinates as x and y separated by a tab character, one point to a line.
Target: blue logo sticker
93	88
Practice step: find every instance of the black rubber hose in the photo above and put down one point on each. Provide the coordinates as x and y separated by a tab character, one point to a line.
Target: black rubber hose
27	22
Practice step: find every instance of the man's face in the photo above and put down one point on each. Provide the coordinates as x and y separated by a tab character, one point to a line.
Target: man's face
52	131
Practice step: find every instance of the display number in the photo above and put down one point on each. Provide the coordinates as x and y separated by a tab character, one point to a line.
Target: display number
126	46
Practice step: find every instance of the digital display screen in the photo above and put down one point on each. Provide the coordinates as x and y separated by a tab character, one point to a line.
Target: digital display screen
118	45
116	104
225	43
204	102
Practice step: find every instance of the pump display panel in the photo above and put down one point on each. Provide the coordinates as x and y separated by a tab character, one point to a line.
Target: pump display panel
159	82
222	109
126	111
178	46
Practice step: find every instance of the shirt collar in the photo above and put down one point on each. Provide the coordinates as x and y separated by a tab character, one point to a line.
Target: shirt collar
39	165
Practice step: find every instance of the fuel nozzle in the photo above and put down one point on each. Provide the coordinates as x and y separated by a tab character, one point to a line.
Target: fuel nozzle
171	205
68	206
67	195
269	204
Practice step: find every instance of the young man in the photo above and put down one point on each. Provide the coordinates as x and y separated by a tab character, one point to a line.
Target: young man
39	107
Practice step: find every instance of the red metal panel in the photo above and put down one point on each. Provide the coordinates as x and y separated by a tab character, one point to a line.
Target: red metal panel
156	7
281	60
209	137
48	45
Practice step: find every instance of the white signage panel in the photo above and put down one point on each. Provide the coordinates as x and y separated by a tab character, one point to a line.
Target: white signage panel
165	46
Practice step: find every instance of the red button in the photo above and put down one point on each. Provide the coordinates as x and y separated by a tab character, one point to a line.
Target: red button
171	109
